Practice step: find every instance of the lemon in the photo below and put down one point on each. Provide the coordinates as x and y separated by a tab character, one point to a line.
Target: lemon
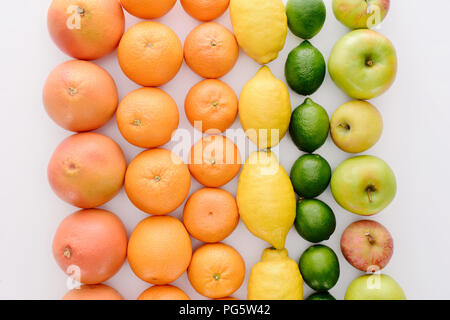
265	109
266	198
275	277
260	27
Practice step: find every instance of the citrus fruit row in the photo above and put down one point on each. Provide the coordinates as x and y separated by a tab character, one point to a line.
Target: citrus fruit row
88	169
309	127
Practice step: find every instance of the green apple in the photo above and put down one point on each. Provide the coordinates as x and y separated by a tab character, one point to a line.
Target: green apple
374	287
364	185
363	63
360	14
356	126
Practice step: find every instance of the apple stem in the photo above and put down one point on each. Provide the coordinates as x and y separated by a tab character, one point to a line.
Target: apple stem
370	238
345	126
369	190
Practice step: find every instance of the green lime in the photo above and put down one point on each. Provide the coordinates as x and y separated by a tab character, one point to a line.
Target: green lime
306	17
315	221
321	296
309	126
305	69
310	175
319	267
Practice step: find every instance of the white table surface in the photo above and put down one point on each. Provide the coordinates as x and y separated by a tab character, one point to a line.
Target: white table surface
415	143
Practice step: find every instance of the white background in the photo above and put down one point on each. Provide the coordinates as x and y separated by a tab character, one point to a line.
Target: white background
415	143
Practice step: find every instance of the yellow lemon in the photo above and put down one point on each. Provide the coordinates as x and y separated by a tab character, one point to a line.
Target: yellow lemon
265	109
260	27
275	277
266	198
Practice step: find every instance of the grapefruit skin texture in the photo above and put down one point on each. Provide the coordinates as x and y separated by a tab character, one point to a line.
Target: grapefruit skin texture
80	96
86	29
87	170
92	241
93	292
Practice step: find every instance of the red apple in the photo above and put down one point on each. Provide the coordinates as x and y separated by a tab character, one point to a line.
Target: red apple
367	245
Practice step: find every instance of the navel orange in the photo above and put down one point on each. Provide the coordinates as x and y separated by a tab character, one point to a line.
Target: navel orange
166	292
216	270
150	54
211	50
210	214
205	10
212	103
159	250
148	9
214	161
147	117
157	181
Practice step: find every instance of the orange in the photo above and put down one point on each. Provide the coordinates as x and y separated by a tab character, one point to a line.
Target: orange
214	161
93	240
205	10
216	270
166	292
212	102
211	215
86	29
157	181
150	54
147	117
227	298
80	96
211	50
87	170
159	250
148	9
93	292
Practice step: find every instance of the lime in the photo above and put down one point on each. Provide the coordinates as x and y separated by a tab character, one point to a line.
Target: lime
309	126
319	267
315	221
306	17
310	175
305	69
321	296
